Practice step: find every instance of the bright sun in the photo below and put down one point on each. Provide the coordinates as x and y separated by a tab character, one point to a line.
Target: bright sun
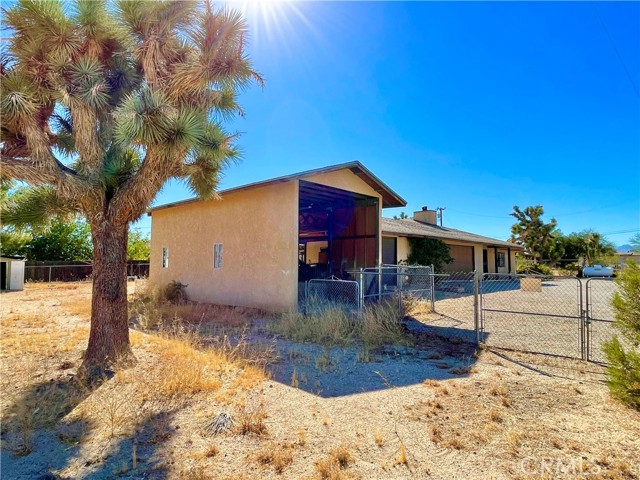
269	19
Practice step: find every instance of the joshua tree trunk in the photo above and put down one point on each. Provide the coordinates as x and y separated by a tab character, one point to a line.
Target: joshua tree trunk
109	336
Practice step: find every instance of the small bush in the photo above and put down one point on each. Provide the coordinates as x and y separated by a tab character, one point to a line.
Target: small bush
528	266
623	373
330	326
176	292
377	325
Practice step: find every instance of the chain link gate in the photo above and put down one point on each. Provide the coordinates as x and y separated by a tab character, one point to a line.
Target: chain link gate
532	314
599	316
561	316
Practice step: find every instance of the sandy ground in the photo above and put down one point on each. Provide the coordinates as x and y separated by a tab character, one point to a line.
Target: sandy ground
432	411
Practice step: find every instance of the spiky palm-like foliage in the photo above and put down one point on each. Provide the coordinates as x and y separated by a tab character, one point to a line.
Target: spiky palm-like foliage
101	104
531	231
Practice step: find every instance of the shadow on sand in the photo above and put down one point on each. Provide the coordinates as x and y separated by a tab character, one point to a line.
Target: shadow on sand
438	353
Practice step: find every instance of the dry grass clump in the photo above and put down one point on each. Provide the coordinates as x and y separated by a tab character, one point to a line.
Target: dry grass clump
184	368
79	306
251	420
381	324
332	468
150	309
277	455
329	325
26	320
415	307
38	340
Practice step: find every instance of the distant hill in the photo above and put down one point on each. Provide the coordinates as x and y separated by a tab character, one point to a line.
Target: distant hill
623	248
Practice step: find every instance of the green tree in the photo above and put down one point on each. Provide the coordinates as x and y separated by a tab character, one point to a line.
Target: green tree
138	247
635	242
62	241
100	106
402	216
623	372
595	248
531	231
429	251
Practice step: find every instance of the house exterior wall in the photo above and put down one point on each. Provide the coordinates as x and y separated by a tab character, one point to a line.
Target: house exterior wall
404	249
259	232
491	260
467	256
463	260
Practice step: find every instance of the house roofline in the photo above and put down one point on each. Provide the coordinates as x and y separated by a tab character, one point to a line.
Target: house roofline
389	197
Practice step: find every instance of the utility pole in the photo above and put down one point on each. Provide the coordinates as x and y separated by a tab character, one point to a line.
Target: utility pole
439	214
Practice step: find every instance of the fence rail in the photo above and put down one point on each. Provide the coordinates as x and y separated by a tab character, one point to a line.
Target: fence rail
560	316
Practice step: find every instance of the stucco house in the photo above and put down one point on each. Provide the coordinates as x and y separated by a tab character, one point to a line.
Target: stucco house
469	251
257	244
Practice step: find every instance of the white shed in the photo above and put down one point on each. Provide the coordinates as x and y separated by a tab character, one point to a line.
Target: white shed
11	273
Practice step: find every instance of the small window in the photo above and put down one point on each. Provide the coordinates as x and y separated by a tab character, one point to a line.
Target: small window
501	259
165	257
217	255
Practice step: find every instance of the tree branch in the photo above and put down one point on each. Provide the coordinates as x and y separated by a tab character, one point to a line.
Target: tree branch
133	198
66	183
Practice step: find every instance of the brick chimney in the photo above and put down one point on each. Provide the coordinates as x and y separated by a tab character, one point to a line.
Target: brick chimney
426	216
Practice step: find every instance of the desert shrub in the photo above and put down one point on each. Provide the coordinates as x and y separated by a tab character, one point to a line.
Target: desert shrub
176	292
377	325
623	373
429	251
528	266
144	308
330	326
381	324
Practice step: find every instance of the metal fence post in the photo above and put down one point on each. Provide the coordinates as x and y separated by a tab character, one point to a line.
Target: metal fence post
399	288
476	294
361	283
49	273
432	284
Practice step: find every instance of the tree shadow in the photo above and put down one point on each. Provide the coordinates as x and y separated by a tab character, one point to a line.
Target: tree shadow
340	371
138	454
38	441
35	436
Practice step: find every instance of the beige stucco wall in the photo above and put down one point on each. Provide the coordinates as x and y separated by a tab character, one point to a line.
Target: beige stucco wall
259	231
462	258
403	249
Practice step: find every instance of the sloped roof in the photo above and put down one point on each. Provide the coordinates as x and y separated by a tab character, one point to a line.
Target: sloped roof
412	228
389	197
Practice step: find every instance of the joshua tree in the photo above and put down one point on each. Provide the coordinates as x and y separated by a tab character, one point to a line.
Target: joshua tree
531	231
103	103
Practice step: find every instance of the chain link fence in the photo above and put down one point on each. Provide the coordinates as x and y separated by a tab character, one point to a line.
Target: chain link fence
559	316
331	293
599	316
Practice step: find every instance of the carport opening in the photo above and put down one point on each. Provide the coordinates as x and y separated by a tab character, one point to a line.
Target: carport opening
337	232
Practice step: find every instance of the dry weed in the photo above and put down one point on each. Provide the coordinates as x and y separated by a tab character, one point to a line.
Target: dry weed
250	420
277	455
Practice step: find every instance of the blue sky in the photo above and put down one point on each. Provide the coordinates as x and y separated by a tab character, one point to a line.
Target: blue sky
475	107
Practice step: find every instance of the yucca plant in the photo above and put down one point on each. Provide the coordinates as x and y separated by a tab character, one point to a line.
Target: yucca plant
101	104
